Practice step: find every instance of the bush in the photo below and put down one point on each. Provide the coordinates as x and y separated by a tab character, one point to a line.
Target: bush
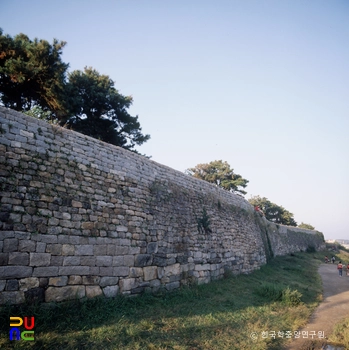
291	297
277	292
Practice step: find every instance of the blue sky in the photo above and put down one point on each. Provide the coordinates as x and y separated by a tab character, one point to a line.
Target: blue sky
260	84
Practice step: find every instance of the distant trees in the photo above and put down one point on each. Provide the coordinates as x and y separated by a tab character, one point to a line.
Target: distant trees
306	226
273	212
34	79
220	174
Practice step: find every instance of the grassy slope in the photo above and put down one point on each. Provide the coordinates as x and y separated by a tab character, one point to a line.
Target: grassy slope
220	315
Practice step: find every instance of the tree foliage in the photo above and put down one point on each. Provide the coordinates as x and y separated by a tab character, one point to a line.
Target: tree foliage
273	212
31	73
220	174
34	79
97	109
306	226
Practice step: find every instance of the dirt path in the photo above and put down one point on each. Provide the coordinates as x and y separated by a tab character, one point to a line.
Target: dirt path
333	308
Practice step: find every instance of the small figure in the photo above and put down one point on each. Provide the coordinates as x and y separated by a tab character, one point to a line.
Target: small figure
348	269
326	259
258	210
340	268
333	259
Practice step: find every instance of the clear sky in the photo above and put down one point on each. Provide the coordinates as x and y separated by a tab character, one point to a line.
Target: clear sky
260	84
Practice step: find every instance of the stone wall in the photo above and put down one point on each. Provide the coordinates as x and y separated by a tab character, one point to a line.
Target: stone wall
82	218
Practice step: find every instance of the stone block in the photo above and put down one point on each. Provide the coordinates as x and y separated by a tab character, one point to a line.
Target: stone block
90	280
71	261
12	297
121	271
7	272
45	271
12	285
68	249
4	259
26	245
142	260
150	273
58	281
54	249
108	281
172	270
28	283
127	284
93	291
118	261
10	245
75	280
40	259
73	270
84	249
136	272
2	285
18	258
56	294
104	261
152	248
105	271
129	260
110	291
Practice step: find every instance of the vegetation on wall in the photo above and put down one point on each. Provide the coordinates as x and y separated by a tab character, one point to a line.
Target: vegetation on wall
221	174
273	212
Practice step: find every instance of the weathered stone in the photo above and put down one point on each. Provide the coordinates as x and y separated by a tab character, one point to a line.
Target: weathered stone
74	270
142	260
68	249
26	245
58	281
56	294
136	272
8	272
110	291
108	281
12	285
86	249
121	271
75	280
4	259
91	280
104	261
127	284
93	291
152	248
150	273
17	258
28	283
40	259
10	245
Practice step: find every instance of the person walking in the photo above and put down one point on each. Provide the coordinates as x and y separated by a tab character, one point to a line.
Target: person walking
340	268
333	259
348	269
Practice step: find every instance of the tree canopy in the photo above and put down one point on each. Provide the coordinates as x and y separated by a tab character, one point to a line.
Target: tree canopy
34	79
100	111
220	174
273	212
31	73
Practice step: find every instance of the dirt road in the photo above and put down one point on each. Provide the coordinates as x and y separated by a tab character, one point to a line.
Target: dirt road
333	308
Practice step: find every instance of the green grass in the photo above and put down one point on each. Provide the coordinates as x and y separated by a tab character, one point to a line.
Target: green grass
220	315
